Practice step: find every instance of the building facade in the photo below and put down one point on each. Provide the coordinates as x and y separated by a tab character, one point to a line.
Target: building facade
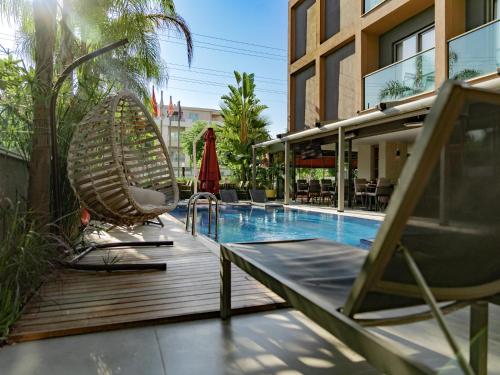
172	128
363	73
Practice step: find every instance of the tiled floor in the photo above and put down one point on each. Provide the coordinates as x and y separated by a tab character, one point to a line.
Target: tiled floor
283	342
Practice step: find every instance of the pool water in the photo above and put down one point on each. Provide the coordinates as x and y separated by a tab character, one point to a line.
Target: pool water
244	224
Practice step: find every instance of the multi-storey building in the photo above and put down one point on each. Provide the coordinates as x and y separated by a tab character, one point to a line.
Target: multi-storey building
171	128
363	74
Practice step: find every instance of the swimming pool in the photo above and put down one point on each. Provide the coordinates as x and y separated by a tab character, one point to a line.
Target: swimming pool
243	224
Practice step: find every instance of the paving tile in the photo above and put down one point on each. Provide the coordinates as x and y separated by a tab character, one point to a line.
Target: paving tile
282	343
133	351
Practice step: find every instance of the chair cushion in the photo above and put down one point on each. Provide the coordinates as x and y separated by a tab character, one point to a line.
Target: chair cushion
147	197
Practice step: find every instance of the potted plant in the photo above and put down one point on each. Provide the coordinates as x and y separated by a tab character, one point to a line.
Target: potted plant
273	173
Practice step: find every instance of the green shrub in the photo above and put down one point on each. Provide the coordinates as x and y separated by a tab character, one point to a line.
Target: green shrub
26	258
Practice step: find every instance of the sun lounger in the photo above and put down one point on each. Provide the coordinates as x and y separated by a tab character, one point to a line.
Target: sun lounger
259	198
426	260
229	197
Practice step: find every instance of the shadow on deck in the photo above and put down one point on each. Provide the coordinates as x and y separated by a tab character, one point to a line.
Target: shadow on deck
75	302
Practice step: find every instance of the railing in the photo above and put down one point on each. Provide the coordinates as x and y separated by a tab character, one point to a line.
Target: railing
370	4
408	77
192	204
475	53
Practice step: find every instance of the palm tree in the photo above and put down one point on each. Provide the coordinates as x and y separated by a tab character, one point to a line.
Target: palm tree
244	124
97	23
42	16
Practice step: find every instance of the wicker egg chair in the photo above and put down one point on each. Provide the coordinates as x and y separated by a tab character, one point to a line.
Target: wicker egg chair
118	164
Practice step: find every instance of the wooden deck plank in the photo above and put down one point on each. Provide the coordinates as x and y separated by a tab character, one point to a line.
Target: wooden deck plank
77	301
59	304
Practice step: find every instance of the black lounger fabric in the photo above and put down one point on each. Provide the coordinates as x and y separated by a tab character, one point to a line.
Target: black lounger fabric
322	271
454	231
228	196
258	196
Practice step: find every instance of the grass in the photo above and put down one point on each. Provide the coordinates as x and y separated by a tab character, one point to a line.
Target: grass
27	257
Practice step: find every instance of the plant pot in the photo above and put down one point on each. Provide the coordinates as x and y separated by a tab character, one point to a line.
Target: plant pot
271	193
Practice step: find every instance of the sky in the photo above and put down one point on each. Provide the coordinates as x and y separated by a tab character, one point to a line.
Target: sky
259	29
247	36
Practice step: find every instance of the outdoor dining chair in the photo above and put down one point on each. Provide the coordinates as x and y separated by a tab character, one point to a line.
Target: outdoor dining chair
426	261
327	190
360	191
314	192
302	190
380	196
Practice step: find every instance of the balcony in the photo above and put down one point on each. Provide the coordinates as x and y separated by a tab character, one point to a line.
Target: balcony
475	53
405	78
370	4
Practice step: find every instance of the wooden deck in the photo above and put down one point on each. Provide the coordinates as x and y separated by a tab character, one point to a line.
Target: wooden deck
85	301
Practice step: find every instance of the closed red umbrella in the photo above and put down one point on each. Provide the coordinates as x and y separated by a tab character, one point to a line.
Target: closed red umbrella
209	171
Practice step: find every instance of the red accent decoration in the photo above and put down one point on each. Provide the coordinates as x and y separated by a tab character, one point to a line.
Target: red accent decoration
209	171
84	217
154	104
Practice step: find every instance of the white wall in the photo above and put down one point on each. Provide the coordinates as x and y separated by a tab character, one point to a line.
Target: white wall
364	161
391	165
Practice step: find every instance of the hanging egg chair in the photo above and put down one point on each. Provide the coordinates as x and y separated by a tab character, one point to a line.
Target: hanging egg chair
118	164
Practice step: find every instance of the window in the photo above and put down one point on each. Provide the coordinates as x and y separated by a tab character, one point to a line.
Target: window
413	44
193	116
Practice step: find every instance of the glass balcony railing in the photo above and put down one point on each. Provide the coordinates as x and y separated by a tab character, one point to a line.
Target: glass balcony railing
475	53
370	4
405	78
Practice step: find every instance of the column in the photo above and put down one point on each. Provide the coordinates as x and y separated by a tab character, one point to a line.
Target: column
349	174
340	171
287	173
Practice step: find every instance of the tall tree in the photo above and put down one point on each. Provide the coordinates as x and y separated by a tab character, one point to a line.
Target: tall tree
244	125
44	15
85	25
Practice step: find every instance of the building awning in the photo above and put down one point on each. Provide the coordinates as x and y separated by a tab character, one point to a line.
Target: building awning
397	112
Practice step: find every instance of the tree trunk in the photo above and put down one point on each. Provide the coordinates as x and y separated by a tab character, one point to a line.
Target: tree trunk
44	12
67	40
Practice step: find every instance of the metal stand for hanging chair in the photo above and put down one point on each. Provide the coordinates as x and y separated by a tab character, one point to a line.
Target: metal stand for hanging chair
116	150
74	263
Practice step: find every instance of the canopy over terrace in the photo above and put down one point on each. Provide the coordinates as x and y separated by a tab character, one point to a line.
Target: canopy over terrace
391	121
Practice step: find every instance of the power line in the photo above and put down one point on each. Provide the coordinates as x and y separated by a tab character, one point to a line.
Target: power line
239	42
233	52
226	76
220	84
224	71
196	41
217	94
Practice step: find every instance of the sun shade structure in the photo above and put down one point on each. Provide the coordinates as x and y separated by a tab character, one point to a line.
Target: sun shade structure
118	164
209	171
438	243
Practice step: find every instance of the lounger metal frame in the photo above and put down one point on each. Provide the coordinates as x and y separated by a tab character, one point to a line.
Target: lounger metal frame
342	324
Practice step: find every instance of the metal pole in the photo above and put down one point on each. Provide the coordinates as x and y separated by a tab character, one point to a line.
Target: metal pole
340	172
161	114
438	315
179	137
56	194
254	169
349	173
195	168
287	173
170	114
